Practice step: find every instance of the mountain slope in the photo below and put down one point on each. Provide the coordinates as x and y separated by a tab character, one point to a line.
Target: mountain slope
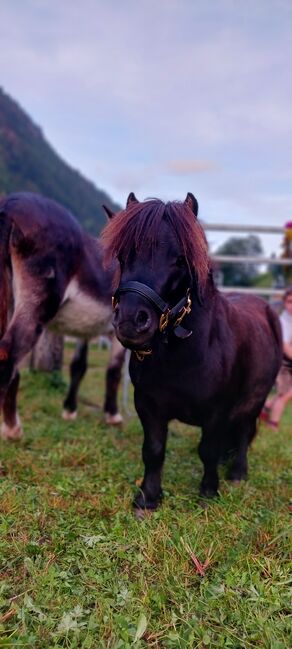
28	162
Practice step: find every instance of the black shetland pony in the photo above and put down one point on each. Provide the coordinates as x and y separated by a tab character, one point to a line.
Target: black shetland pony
51	275
198	356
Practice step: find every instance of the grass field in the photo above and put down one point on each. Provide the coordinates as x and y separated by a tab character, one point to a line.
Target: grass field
78	570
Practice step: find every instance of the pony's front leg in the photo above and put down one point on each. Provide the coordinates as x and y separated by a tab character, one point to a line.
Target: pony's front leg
155	434
209	452
150	493
11	427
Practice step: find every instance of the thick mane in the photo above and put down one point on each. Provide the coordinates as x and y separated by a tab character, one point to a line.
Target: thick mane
139	225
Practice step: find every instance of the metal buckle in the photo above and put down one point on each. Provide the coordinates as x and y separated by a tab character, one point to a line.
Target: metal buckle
141	354
184	310
163	322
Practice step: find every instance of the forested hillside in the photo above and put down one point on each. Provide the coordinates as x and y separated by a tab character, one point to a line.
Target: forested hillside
28	162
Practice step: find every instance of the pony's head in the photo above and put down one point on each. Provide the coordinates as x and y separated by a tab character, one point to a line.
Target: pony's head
162	254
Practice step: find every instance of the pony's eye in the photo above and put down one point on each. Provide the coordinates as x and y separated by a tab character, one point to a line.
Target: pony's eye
181	261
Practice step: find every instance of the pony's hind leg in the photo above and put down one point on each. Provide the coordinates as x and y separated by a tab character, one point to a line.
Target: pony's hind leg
113	378
78	368
209	452
11	427
243	434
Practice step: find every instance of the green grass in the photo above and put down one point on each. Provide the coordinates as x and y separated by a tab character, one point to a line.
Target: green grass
78	570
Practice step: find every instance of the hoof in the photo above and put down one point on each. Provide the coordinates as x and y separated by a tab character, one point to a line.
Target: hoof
204	503
209	494
113	420
235	476
236	479
143	504
142	514
69	416
12	433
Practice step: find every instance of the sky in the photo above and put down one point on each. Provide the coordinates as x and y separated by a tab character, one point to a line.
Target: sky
162	97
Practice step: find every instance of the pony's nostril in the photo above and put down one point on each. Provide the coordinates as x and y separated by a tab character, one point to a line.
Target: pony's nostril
142	320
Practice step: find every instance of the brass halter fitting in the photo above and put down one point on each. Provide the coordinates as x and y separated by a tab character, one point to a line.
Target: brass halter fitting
140	355
163	322
184	311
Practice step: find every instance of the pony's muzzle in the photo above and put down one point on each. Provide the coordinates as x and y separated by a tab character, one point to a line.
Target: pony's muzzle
140	320
134	326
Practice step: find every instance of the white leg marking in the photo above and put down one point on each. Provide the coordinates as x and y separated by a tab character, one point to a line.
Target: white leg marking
69	416
113	420
11	432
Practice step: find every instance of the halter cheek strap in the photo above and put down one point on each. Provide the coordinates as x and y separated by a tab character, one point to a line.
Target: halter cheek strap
168	316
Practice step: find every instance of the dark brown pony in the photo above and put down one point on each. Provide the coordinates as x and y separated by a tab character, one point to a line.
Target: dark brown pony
51	275
198	356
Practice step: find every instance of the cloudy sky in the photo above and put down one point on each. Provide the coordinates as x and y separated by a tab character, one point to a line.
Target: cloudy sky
163	97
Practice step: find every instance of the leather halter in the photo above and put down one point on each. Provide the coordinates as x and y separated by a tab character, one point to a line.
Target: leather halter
169	316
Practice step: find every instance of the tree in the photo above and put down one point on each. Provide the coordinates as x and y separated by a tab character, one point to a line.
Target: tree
240	274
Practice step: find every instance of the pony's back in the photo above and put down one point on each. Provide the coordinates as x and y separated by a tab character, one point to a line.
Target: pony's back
33	212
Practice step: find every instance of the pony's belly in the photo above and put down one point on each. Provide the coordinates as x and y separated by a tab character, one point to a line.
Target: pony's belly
81	315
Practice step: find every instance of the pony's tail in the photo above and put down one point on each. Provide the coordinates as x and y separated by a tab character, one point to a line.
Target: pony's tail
5	229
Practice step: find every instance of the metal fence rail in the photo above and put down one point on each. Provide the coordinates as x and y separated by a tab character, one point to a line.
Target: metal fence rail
251	290
236	227
244	259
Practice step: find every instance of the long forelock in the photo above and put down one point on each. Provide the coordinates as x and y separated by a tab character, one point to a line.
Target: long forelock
138	226
191	238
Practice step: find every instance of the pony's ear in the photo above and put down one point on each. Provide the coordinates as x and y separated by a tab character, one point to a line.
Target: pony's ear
131	199
192	202
108	211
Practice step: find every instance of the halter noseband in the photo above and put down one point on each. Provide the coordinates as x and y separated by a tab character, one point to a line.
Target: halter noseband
175	314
